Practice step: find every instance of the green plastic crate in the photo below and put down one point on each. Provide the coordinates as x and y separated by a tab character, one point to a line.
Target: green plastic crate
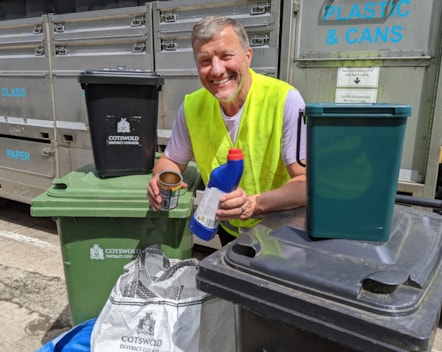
353	162
104	223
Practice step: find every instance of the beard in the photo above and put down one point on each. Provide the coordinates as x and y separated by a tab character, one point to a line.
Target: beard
236	91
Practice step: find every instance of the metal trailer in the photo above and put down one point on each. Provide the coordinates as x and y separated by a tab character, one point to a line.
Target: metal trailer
27	143
331	50
371	51
91	40
173	22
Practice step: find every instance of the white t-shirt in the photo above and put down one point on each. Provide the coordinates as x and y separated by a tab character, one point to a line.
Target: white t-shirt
179	148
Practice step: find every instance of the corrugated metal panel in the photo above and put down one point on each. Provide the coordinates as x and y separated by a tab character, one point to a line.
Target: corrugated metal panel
347	51
173	22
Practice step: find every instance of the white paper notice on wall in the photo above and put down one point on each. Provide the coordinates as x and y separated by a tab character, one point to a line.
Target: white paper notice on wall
364	77
356	95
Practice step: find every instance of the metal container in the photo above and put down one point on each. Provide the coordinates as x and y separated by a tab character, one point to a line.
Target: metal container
93	40
27	167
342	51
172	25
71	158
25	85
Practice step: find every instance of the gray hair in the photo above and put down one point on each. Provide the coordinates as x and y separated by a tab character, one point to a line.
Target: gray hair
209	27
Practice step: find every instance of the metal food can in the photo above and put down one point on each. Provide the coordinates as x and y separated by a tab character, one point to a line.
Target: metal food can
170	185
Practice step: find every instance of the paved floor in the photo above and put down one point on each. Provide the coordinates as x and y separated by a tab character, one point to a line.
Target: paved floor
33	301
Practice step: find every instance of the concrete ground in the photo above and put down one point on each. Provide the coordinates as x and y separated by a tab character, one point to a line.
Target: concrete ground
33	300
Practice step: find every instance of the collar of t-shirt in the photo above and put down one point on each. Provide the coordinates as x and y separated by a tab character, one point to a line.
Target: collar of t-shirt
232	123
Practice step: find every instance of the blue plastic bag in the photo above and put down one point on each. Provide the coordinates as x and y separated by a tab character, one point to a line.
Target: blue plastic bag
78	339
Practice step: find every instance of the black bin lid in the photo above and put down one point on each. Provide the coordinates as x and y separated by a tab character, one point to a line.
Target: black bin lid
352	272
362	292
121	75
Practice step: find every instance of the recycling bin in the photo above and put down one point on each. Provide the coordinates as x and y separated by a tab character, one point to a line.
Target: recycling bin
63	6
104	223
354	153
297	293
14	9
36	8
122	109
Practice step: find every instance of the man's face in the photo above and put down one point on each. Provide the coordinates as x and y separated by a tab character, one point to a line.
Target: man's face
223	65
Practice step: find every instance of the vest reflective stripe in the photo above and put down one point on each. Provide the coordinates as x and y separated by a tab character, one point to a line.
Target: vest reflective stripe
262	120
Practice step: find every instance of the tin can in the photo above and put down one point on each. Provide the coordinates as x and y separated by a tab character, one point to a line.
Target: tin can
170	185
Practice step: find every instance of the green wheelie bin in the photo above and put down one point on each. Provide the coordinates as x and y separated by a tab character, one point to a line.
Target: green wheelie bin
104	223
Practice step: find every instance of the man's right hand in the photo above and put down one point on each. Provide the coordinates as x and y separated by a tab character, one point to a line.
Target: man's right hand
153	193
153	189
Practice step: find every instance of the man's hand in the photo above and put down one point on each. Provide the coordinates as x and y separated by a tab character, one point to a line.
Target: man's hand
236	205
153	189
153	193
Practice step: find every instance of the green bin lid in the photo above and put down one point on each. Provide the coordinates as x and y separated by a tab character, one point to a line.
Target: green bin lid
363	110
82	193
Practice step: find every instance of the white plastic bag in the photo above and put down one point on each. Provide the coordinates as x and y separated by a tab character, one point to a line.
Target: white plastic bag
156	307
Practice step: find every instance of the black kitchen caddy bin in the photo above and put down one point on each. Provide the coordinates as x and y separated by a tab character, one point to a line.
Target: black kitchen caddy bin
122	108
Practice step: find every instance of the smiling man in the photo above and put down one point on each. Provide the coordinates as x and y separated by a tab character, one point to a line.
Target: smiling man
237	108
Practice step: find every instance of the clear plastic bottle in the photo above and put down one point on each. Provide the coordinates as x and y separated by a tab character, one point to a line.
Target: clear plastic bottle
225	178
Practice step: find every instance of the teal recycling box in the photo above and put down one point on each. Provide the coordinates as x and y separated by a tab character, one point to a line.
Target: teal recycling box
353	161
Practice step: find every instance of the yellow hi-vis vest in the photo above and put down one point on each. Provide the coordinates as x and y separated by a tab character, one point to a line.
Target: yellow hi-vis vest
259	137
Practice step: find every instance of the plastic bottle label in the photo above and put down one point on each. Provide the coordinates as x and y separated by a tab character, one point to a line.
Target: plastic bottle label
205	214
